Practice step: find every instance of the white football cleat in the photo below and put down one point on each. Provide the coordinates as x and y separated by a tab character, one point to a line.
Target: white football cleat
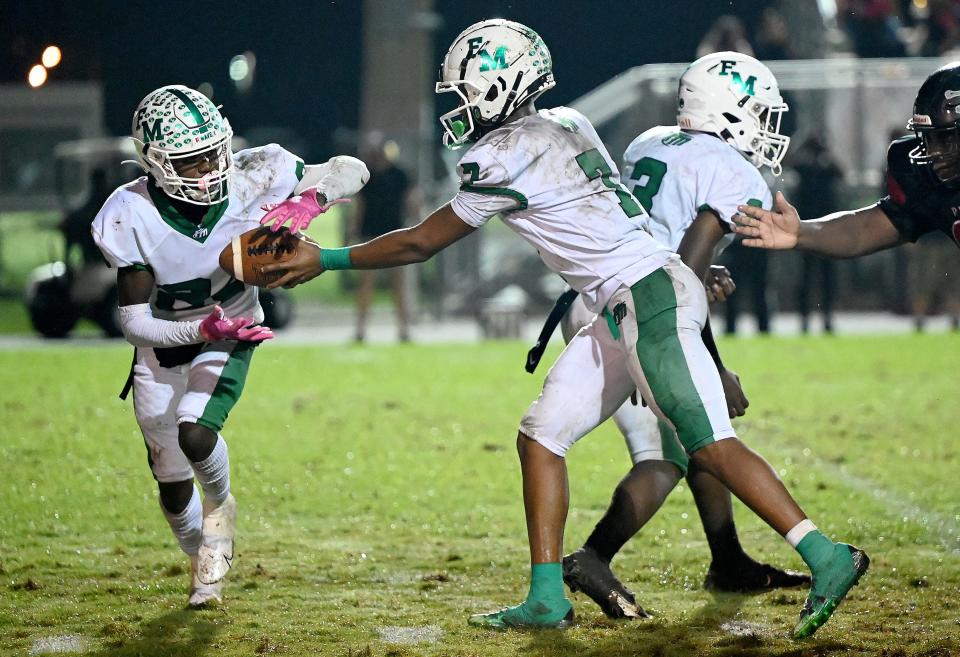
216	549
203	595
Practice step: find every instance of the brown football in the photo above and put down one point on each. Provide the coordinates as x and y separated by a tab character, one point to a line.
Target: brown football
244	257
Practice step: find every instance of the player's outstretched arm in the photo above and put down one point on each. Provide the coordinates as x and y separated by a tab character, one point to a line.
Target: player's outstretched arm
846	234
400	247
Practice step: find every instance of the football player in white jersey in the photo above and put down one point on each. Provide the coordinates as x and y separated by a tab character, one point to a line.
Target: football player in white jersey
164	233
690	179
550	179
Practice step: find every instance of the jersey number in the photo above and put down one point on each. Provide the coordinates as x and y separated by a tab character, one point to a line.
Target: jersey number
195	293
654	170
595	166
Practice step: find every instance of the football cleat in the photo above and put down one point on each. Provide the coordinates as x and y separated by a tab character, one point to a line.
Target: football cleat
584	571
830	586
752	577
216	548
524	615
203	595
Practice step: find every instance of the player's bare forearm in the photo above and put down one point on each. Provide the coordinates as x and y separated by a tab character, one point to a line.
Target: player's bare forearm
400	247
696	250
700	241
411	245
848	234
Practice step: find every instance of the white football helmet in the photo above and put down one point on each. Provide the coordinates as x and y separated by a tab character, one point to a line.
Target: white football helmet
175	127
494	67
735	97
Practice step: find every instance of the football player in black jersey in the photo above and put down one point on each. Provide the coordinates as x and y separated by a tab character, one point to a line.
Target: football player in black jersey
923	189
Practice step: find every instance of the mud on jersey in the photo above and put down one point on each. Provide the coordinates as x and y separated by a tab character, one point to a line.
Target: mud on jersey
916	202
139	227
675	175
550	179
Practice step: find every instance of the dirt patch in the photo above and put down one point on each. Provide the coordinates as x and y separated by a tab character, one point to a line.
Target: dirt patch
743	629
410	635
56	645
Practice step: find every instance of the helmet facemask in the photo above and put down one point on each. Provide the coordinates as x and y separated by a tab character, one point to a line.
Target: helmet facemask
207	189
768	146
459	126
939	149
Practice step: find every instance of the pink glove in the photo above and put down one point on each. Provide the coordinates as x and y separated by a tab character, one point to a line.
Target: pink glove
300	210
216	327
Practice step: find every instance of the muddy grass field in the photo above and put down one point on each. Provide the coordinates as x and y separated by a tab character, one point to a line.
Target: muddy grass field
379	497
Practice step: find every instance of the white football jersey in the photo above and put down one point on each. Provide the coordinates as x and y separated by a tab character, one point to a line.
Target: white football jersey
551	180
677	174
139	227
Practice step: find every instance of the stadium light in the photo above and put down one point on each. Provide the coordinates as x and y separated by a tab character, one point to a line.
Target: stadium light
37	76
241	70
51	56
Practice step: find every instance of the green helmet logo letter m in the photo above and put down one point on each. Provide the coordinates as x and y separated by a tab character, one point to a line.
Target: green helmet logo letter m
151	133
747	86
499	59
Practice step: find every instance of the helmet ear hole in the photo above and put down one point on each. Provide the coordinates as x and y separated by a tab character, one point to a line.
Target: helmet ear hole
492	93
731	118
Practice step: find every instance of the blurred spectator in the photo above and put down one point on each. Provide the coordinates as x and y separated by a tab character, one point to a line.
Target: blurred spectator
726	33
816	196
381	207
935	280
943	28
773	37
749	269
872	27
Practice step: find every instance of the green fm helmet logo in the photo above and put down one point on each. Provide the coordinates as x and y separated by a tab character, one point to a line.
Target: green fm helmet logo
745	86
487	62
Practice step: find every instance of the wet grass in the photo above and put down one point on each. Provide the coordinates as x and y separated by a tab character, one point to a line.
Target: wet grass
380	505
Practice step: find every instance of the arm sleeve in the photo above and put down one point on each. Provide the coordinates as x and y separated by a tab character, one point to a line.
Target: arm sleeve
339	177
114	234
142	329
485	189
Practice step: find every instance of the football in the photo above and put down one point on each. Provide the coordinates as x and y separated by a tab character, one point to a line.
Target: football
246	255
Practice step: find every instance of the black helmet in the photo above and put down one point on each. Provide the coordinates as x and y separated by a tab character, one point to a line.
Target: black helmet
936	120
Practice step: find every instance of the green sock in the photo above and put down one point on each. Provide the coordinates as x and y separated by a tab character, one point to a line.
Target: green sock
815	549
546	583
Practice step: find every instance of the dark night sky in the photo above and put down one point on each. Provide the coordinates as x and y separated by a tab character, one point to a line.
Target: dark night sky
308	53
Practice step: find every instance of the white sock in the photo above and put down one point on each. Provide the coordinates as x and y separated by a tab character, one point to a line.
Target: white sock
802	528
187	524
213	473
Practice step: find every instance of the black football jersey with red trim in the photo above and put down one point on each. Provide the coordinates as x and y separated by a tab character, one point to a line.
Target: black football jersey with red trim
916	202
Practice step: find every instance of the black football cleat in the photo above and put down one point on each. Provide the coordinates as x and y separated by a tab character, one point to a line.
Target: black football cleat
752	577
584	571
